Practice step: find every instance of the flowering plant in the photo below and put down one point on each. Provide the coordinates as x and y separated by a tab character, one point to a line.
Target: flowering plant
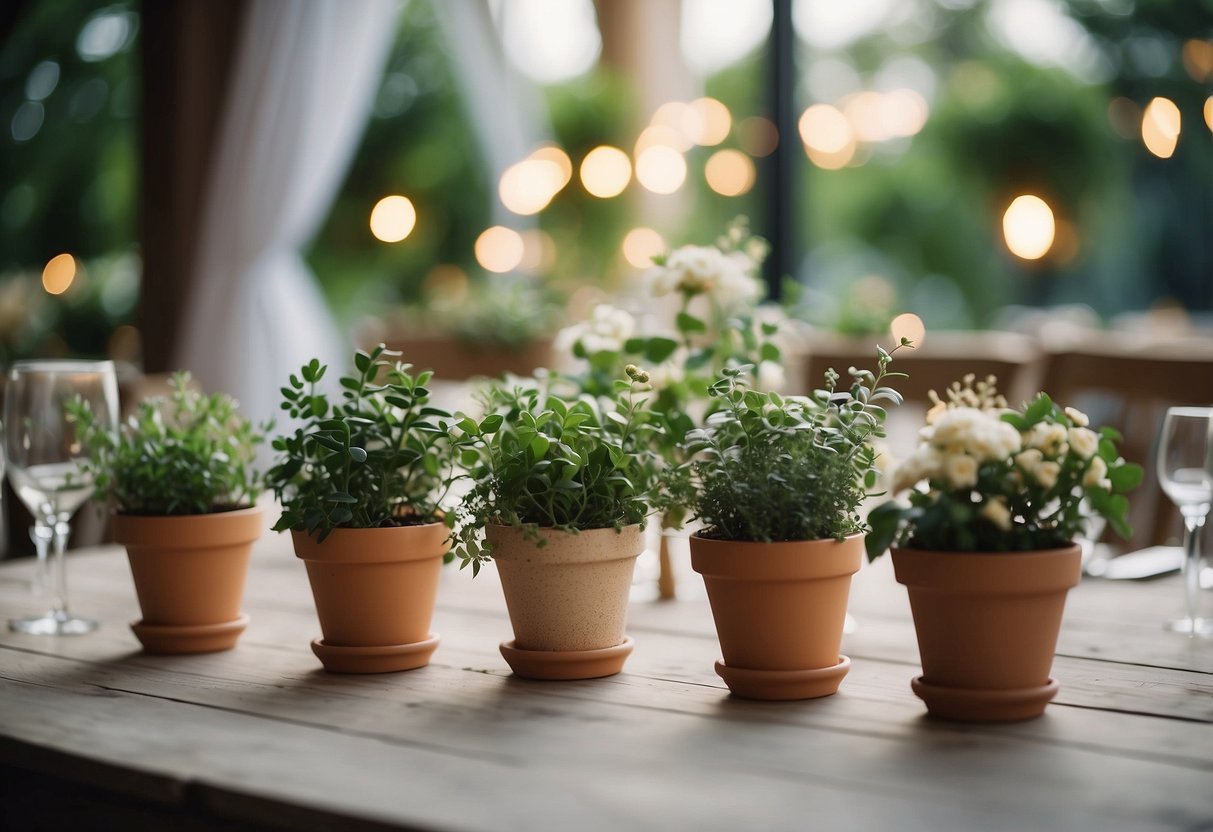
537	460
769	468
714	329
1003	480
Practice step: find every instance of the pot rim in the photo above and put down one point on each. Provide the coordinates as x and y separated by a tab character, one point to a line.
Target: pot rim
787	560
382	544
562	546
216	528
989	573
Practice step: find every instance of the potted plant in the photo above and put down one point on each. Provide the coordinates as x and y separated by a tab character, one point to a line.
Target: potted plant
560	490
777	482
180	475
714	324
360	482
985	545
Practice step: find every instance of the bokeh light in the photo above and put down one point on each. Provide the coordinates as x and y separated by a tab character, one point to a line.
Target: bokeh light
661	169
446	282
393	218
707	122
1125	117
1028	227
659	135
1160	126
499	249
641	245
1198	59
58	274
827	135
528	186
1209	112
909	326
605	171
555	154
538	252
758	136
729	172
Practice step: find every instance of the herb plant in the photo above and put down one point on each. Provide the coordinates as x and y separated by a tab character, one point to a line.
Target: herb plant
380	456
186	453
769	468
540	461
992	479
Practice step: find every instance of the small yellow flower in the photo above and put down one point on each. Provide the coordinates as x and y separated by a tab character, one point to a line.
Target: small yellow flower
996	512
1077	417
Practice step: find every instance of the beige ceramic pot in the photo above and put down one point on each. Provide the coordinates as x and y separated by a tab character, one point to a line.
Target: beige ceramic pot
987	625
374	591
189	575
779	610
567	599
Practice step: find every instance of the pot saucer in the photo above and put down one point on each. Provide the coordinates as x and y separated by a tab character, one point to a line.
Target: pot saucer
984	704
375	659
189	638
784	684
563	665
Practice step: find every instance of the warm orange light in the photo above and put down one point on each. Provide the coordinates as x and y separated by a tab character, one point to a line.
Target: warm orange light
538	252
827	136
707	122
528	186
866	113
641	245
659	135
1125	117
905	112
58	274
393	218
552	153
1028	227
729	172
1160	126
661	169
606	171
447	282
910	326
1209	111
499	249
758	136
1198	59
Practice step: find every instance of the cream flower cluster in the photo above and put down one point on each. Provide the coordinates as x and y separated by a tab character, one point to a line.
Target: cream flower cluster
606	330
706	270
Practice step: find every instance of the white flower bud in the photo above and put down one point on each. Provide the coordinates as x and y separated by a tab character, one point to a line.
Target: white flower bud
996	512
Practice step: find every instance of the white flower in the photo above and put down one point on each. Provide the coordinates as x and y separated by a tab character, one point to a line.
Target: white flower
1077	417
706	270
770	376
1046	474
961	470
923	464
1048	437
979	433
1084	441
1029	459
606	330
996	512
1096	476
668	372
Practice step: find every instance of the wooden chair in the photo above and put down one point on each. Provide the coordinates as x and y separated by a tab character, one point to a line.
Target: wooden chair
1128	382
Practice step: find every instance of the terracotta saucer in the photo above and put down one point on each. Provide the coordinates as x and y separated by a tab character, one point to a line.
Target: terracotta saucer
376	659
189	638
784	684
563	665
983	704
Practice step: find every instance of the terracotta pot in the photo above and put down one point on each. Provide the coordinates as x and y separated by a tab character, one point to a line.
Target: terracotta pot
779	611
987	625
189	576
567	599
374	591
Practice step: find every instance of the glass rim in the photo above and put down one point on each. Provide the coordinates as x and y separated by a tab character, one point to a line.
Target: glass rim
61	365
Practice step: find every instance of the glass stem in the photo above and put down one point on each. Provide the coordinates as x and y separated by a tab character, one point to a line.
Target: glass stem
41	536
59	570
1191	566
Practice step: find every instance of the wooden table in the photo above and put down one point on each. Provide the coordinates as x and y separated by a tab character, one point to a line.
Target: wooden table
93	734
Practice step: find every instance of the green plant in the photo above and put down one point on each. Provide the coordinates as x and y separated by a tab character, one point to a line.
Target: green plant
768	468
540	461
1000	480
187	453
381	456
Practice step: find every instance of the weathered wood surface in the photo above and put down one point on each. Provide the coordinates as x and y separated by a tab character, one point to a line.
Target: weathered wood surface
261	736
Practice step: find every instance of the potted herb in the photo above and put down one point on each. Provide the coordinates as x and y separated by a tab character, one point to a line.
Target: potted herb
360	482
777	482
560	489
180	475
985	545
714	325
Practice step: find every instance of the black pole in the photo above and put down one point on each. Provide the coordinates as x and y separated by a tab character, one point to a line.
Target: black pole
780	167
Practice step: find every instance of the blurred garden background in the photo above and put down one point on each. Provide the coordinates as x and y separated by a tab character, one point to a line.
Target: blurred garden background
965	160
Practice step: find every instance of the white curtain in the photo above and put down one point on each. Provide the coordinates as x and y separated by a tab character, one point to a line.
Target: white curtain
302	86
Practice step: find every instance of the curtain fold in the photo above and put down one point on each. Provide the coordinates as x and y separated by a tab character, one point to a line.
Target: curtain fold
301	90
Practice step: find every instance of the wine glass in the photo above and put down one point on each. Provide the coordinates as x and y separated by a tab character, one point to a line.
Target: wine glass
44	459
1185	472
